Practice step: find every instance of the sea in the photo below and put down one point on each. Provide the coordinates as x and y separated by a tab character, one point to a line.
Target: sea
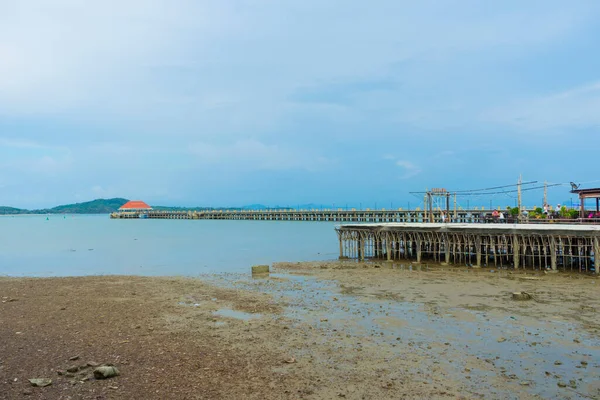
77	245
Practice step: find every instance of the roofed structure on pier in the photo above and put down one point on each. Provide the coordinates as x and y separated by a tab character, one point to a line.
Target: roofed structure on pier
134	205
593	193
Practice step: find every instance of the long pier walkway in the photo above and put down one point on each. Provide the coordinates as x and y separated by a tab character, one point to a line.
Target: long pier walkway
310	215
547	247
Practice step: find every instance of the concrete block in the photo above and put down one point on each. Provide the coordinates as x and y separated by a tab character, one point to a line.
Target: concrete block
260	269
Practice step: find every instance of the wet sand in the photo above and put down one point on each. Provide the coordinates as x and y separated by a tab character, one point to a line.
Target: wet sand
311	330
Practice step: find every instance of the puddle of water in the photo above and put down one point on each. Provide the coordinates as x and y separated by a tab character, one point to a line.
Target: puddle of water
532	356
229	313
190	304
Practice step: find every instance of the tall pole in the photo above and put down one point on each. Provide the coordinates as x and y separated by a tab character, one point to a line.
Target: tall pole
519	196
545	193
425	206
455	210
430	201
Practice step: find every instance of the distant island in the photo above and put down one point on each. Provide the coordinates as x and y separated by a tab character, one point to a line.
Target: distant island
107	206
98	206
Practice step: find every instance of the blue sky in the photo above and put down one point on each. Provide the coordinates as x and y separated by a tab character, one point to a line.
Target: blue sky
233	102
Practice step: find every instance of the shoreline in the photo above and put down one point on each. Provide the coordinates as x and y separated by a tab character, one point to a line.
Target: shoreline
308	330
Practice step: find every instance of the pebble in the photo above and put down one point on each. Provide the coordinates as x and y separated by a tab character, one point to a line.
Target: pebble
501	339
106	372
40	382
73	368
74	358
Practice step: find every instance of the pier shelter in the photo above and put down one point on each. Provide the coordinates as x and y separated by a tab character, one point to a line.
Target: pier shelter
544	247
587	194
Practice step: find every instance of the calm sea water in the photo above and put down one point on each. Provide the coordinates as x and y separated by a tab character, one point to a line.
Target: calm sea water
96	245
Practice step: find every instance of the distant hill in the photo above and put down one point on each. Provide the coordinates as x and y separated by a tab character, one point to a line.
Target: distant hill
107	206
98	206
11	211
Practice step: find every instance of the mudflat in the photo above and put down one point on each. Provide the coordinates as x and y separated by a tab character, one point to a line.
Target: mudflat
308	331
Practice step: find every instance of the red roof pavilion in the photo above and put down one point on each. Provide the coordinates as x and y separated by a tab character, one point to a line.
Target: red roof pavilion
135	205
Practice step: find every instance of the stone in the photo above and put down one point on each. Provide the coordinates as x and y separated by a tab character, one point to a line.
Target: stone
92	364
557	363
260	269
73	368
561	384
501	339
521	296
290	360
573	384
27	392
40	382
106	372
74	358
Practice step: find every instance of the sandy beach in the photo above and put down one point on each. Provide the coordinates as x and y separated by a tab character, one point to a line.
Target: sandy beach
307	331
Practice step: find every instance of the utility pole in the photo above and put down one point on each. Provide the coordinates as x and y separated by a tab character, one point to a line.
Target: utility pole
425	206
519	197
545	193
455	210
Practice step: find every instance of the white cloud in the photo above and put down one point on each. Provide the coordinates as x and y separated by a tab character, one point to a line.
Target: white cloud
254	155
410	169
574	108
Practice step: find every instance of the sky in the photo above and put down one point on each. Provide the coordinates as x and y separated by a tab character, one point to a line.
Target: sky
285	102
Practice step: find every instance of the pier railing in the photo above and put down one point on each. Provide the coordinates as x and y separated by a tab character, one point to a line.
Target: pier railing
368	216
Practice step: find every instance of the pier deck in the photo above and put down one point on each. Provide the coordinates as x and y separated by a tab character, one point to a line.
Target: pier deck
399	215
553	247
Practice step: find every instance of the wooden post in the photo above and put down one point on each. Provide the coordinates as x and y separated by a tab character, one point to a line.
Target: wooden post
418	250
341	245
516	251
388	246
446	249
361	248
553	253
596	254
477	251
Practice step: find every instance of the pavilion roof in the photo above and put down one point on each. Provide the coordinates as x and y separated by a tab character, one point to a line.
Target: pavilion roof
592	192
135	205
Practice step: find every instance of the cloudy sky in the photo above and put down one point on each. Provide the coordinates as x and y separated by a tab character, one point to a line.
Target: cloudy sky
284	102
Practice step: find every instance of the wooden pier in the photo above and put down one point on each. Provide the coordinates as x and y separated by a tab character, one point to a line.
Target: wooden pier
544	247
374	216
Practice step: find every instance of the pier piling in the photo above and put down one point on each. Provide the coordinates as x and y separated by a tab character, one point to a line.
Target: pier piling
514	246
